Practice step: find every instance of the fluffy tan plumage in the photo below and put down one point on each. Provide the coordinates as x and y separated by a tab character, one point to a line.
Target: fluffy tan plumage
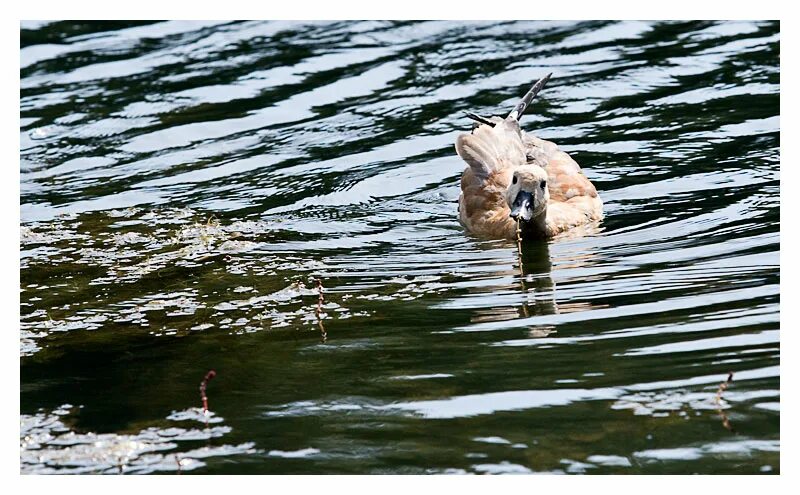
514	175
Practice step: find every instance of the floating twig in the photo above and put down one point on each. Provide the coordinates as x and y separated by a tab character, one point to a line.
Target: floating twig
521	266
320	301
722	388
211	374
519	243
321	297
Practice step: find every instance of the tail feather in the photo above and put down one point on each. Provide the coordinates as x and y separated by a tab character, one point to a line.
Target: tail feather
528	98
496	143
480	120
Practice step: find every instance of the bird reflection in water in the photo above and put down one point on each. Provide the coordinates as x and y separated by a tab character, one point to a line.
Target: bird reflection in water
533	276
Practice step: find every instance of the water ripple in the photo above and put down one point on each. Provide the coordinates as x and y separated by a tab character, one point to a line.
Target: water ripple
277	199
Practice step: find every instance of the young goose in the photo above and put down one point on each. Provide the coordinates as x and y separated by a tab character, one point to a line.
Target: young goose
515	176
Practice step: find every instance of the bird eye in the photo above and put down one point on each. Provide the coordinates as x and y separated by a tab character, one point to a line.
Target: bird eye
514	180
543	184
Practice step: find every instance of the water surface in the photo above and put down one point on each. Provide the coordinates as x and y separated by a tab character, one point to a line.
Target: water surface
184	185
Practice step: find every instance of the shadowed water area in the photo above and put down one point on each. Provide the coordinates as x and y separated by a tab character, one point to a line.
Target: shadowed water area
185	184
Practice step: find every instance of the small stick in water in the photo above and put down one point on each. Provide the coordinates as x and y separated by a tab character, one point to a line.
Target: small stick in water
323	332
722	388
521	268
320	301
519	243
211	374
321	297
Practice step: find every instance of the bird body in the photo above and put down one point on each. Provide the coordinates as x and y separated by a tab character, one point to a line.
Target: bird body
517	180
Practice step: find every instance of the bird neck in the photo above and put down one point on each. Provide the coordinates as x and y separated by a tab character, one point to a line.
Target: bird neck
534	228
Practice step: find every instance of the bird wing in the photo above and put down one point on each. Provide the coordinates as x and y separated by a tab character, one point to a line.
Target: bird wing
496	144
491	153
573	198
489	150
564	176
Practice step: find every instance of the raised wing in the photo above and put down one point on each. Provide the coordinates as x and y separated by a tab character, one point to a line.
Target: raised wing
492	149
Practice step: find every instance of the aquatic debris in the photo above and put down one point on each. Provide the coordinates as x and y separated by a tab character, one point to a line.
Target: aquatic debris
320	301
718	400
519	245
525	312
211	374
724	386
321	297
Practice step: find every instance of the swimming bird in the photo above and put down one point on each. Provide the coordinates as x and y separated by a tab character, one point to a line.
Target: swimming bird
515	179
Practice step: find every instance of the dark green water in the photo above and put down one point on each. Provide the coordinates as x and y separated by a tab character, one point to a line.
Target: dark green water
184	184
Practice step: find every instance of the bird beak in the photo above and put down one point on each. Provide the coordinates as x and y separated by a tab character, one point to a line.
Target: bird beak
522	208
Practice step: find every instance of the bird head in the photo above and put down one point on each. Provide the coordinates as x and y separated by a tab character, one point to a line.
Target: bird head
527	194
